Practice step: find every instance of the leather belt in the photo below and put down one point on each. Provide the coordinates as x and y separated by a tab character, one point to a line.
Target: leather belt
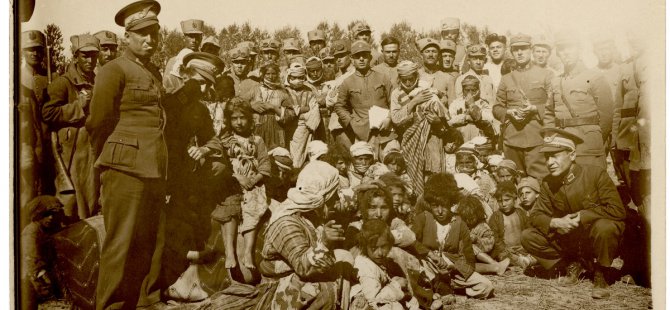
578	121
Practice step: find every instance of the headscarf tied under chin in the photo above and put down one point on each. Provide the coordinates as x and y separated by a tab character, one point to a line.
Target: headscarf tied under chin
317	182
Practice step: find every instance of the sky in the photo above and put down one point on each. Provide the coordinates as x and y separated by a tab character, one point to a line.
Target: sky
532	17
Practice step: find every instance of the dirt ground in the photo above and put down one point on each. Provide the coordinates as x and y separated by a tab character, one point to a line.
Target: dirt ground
514	290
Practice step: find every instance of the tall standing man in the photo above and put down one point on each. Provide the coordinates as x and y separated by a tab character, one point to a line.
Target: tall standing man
521	99
126	123
391	52
581	103
448	52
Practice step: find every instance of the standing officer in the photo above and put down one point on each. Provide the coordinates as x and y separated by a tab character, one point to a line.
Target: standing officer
358	93
448	52
431	73
476	60
578	216
391	52
108	47
451	30
317	40
126	124
581	103
521	99
361	31
65	113
35	174
192	30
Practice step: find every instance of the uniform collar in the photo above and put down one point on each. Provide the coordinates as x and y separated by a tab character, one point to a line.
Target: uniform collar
128	54
358	73
572	175
524	68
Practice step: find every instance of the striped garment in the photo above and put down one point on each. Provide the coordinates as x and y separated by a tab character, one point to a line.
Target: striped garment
414	140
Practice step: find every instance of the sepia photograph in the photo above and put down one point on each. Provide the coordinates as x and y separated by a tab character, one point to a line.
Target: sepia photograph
295	154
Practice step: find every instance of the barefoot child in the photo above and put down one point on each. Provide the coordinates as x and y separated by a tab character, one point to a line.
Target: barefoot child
472	212
250	162
380	285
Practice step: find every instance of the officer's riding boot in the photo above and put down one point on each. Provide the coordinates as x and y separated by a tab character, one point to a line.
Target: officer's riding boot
573	273
600	286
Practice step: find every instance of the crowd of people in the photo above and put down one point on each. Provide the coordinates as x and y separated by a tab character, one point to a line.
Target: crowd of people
335	177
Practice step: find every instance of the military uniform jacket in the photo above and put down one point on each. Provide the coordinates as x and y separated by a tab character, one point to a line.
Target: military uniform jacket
625	109
587	189
390	72
355	97
589	96
127	118
534	83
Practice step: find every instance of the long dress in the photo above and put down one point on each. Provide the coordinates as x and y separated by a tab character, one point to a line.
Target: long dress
269	126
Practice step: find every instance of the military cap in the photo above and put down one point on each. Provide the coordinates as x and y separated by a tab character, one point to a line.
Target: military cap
542	43
423	43
476	50
556	140
340	47
206	64
106	37
192	26
326	53
448	45
360	27
212	41
32	38
316	35
138	15
566	39
313	63
520	39
251	46
84	43
291	44
451	23
360	46
270	45
239	53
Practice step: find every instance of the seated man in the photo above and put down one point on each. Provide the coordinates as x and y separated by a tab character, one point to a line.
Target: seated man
577	217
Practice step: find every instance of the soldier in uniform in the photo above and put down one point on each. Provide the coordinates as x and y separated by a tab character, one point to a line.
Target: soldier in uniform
341	52
476	60
126	125
497	45
358	93
391	52
578	216
108	46
521	99
270	50
244	85
541	53
290	48
254	73
329	66
210	45
192	30
361	31
35	174
448	53
431	73
65	113
317	40
581	103
451	30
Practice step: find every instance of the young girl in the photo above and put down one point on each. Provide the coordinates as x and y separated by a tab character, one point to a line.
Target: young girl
273	107
250	162
472	212
307	109
380	285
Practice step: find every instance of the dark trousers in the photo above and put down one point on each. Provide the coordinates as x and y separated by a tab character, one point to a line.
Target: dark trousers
130	260
528	160
599	240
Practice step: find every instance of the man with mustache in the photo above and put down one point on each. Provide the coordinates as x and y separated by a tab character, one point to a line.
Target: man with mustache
108	47
172	77
431	73
448	52
65	113
36	175
577	218
126	123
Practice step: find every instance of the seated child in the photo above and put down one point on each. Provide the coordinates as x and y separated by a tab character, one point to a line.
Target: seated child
471	211
382	285
468	187
402	202
377	203
282	174
528	189
453	139
362	159
507	224
339	157
467	161
506	171
443	239
395	162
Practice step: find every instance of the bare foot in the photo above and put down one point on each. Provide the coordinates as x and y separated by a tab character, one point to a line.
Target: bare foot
503	266
230	261
248	261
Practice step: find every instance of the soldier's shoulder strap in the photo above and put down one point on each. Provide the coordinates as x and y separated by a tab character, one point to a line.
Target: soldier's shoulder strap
565	100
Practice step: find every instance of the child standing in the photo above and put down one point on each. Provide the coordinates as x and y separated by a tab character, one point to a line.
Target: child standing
472	212
507	224
380	285
250	162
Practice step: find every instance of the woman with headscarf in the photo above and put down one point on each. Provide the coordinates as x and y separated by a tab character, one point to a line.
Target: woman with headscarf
298	257
420	116
273	107
305	105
